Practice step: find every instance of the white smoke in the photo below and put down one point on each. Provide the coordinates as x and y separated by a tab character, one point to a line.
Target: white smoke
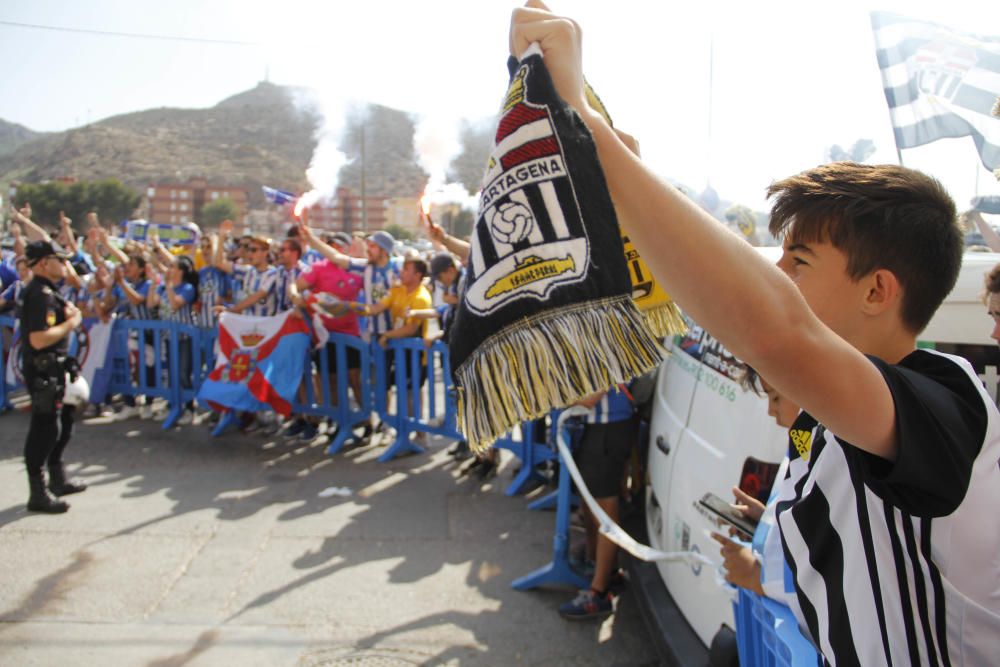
323	173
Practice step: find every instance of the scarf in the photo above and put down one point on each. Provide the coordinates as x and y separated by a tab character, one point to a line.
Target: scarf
547	316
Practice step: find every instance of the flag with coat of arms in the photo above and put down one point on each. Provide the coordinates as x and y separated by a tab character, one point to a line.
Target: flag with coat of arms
260	362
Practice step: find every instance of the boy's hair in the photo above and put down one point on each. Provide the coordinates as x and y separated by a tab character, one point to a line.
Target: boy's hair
750	380
993	281
880	217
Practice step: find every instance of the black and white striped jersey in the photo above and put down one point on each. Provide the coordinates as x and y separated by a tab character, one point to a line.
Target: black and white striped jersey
898	563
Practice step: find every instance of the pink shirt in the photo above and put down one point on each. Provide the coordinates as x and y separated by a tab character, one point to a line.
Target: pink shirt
325	276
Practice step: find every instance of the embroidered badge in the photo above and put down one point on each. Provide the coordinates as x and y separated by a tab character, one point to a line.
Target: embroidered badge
50	318
530	236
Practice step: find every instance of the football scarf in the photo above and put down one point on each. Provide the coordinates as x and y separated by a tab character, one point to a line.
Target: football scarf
663	316
547	316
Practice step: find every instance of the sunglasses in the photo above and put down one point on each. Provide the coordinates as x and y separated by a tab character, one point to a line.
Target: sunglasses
253	249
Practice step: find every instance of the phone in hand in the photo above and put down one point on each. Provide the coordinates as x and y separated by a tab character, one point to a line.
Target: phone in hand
718	510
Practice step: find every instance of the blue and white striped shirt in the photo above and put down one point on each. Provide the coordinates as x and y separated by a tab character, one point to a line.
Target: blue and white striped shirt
378	282
311	256
286	276
184	314
255	281
133	311
212	287
614	406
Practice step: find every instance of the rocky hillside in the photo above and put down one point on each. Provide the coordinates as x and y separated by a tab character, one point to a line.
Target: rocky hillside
12	136
258	137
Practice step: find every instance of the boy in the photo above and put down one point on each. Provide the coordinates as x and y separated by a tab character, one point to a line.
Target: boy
894	458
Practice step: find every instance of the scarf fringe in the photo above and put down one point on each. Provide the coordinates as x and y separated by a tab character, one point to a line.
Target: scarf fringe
665	320
548	361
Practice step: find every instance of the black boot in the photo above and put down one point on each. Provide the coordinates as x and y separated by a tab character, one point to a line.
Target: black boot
40	500
59	485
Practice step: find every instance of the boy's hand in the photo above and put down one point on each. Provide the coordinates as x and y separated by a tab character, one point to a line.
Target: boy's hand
740	566
561	42
750	506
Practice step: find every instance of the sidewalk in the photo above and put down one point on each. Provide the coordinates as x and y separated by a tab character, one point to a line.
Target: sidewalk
188	550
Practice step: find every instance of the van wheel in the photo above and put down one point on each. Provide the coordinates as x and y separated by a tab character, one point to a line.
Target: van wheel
723	652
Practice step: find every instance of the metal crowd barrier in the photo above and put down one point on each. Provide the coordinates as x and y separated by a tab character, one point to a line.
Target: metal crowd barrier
7	323
338	406
145	359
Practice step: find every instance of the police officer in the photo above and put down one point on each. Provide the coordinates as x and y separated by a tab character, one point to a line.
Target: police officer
46	322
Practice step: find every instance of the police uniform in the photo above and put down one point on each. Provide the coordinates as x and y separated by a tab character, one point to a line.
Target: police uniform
44	373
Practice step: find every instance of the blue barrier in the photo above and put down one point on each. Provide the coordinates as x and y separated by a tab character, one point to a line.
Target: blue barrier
145	358
413	365
7	322
531	453
337	404
768	635
558	570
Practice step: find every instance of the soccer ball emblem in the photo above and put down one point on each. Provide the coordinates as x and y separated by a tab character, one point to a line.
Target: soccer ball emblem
511	222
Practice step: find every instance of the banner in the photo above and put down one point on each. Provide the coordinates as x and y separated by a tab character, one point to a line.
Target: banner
939	83
95	366
12	375
260	364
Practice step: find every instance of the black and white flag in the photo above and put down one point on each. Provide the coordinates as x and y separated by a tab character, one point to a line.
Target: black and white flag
939	83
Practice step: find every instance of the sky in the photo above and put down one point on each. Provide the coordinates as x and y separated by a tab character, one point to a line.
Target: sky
728	94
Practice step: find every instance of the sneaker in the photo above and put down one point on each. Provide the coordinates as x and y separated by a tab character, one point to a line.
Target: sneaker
146	411
187	417
296	428
486	470
472	467
127	412
248	422
460	450
309	433
587	604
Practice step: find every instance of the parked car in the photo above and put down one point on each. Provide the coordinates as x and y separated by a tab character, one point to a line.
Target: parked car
708	433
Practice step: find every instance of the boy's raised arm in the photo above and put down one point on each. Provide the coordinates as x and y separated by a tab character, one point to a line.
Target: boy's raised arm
720	280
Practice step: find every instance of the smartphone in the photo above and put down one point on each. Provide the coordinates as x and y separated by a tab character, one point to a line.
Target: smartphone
717	509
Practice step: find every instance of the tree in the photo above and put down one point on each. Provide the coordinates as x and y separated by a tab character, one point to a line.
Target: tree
469	165
859	152
109	198
214	212
399	233
462	223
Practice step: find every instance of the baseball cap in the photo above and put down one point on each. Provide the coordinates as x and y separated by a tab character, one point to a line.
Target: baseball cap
341	238
384	240
36	251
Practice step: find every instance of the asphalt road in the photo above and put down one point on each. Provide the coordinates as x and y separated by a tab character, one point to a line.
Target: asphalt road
188	550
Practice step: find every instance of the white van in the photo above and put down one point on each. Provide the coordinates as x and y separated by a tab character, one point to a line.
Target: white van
708	433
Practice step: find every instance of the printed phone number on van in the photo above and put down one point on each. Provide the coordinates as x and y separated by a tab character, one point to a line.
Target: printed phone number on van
711	380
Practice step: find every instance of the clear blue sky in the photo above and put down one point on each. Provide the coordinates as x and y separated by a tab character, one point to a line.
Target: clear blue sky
789	78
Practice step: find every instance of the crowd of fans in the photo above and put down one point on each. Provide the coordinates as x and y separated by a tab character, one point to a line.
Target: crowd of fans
379	290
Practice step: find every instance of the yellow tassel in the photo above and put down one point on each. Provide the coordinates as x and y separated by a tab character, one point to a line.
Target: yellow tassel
549	361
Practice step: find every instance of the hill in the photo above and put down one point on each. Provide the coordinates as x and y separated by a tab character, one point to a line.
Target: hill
12	136
258	137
